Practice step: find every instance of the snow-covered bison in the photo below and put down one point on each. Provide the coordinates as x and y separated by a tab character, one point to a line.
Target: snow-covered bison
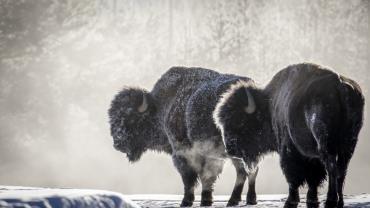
176	118
309	114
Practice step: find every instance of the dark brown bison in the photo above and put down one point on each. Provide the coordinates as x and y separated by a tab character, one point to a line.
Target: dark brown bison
309	114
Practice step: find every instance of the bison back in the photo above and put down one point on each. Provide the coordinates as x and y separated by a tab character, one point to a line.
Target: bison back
201	105
306	107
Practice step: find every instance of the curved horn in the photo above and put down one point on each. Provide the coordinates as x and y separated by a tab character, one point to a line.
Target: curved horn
144	106
251	104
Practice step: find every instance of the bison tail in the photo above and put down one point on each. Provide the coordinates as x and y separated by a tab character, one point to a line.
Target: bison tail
352	101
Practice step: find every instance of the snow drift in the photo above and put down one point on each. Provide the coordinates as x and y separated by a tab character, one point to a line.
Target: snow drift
15	196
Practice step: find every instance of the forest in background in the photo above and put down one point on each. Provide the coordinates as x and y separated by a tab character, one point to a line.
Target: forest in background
62	61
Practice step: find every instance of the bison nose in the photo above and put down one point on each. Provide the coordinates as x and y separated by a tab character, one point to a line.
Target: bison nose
117	145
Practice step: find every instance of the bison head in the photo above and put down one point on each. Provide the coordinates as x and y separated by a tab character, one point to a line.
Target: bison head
239	116
131	121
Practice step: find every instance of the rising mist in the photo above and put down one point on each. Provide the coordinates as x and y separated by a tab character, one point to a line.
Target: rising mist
62	61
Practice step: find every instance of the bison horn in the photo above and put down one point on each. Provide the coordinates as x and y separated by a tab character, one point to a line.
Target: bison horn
251	104
144	106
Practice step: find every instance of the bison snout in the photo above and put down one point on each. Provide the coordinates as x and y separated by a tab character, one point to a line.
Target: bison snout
118	145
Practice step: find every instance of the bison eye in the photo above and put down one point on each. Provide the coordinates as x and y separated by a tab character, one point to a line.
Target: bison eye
129	110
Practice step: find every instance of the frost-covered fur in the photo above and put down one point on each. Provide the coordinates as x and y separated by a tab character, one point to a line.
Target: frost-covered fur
246	135
310	115
176	117
225	97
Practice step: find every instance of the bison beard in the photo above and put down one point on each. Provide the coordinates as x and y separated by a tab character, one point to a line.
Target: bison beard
176	118
310	115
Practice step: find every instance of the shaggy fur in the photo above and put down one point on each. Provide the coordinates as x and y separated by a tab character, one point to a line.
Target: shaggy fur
310	115
177	119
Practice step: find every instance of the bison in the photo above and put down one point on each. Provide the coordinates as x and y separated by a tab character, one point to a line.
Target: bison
307	113
175	117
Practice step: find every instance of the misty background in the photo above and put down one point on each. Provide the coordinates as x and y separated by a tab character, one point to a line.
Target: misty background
62	61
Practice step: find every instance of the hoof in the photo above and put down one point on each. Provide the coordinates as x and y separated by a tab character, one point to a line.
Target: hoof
340	203
251	199
331	204
206	203
251	202
186	203
233	202
290	204
314	204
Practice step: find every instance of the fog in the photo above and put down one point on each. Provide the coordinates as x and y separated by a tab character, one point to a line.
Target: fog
62	61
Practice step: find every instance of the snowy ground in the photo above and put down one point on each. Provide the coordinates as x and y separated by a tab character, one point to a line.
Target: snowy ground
264	201
26	197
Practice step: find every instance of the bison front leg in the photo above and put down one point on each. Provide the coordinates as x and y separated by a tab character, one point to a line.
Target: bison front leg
251	194
208	176
241	176
189	178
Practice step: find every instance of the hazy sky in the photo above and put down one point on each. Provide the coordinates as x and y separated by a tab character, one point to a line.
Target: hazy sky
61	62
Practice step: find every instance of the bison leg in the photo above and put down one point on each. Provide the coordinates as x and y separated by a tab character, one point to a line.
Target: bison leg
342	169
328	157
315	175
241	175
293	197
312	200
292	165
211	169
189	178
251	195
342	165
332	195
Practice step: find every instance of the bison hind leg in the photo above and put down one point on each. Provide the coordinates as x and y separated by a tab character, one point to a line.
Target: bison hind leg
342	165
315	175
325	132
292	164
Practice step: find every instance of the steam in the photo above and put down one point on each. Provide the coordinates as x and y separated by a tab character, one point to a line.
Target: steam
215	156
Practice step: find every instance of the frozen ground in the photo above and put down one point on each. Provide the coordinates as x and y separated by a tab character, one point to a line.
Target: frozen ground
26	197
264	201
